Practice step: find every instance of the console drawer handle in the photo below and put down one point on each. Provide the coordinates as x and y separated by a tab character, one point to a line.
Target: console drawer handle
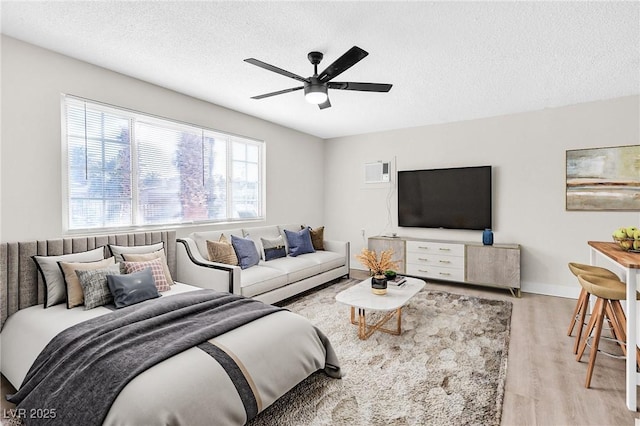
444	249
423	247
444	273
423	270
423	258
445	261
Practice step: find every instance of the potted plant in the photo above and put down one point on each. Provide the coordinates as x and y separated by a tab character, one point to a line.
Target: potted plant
377	267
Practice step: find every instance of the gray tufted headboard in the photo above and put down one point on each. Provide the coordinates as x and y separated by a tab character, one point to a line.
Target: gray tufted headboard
21	285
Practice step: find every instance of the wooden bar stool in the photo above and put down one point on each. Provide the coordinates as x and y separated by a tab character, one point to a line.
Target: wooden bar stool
608	292
582	306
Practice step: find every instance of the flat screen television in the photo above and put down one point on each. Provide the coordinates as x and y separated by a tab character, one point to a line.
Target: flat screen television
453	198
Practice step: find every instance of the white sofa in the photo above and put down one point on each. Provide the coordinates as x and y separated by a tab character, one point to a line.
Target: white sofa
269	281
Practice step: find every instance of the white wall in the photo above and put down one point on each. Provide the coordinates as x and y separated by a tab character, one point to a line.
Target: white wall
527	152
30	171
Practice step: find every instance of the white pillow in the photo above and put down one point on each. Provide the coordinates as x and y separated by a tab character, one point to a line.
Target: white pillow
118	251
55	289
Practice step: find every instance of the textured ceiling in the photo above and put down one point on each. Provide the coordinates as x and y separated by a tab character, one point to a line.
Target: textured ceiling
447	61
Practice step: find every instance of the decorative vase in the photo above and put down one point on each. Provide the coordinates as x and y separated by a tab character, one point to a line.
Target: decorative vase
379	284
487	237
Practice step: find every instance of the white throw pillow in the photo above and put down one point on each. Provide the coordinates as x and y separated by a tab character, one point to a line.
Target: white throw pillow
118	251
55	289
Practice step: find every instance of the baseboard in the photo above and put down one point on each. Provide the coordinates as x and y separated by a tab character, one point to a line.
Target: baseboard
570	292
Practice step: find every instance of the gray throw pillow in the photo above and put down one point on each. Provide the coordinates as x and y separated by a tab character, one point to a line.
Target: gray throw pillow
133	288
94	286
273	248
246	252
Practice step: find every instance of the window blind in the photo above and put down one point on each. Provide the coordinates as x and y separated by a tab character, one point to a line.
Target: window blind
127	169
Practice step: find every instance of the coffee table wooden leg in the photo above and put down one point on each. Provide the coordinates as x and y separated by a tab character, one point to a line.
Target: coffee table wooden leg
362	325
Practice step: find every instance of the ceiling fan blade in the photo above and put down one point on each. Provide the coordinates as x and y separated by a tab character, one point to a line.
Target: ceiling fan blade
275	69
343	63
362	87
279	92
325	104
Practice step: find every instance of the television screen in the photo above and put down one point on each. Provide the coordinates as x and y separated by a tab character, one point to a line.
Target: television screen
454	198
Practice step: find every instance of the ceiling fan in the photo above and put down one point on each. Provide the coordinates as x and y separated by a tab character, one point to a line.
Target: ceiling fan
316	86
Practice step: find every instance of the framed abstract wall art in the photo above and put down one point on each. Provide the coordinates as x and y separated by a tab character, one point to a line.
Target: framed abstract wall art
605	179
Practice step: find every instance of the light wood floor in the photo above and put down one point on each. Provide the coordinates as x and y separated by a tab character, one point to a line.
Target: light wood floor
545	384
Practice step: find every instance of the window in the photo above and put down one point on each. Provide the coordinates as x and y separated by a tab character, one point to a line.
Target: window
127	169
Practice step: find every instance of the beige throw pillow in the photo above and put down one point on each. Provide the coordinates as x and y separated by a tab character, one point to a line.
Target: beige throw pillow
317	237
75	295
130	257
222	251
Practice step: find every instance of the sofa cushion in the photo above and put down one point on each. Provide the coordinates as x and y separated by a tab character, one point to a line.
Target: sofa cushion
255	234
292	227
200	238
299	242
295	268
326	259
246	251
259	279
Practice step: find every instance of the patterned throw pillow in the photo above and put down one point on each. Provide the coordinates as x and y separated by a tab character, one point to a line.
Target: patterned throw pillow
75	294
94	286
317	237
157	272
128	257
222	251
299	242
246	251
273	248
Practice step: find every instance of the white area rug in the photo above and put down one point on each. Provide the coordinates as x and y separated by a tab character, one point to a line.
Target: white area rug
447	368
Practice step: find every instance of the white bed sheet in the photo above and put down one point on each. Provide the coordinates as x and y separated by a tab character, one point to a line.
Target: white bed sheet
27	332
275	352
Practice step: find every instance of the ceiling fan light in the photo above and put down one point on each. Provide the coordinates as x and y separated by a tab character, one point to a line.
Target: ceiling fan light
315	93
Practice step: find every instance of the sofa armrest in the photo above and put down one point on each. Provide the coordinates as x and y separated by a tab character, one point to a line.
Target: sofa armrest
195	270
340	247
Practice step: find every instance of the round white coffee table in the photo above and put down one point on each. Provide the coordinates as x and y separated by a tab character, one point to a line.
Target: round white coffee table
361	297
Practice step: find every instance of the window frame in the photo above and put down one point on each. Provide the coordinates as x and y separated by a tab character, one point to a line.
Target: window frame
134	116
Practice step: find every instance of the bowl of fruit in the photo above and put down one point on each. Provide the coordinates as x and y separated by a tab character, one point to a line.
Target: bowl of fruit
628	238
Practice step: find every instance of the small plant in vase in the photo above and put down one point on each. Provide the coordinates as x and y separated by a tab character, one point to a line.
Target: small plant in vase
377	267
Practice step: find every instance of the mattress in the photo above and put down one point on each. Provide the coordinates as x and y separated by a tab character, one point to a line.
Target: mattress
276	352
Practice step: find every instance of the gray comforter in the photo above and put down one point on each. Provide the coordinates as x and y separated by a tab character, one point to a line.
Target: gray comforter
81	374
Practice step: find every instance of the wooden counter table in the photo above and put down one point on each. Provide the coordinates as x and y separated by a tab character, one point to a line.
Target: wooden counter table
630	263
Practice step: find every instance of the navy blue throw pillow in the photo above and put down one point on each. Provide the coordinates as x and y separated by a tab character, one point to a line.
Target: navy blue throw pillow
299	242
132	288
273	248
245	251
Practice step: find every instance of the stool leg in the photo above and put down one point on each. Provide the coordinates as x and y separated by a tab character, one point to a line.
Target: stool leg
583	314
590	326
614	324
576	311
596	341
580	305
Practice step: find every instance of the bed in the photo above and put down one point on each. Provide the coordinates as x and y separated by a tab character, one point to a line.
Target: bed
261	360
